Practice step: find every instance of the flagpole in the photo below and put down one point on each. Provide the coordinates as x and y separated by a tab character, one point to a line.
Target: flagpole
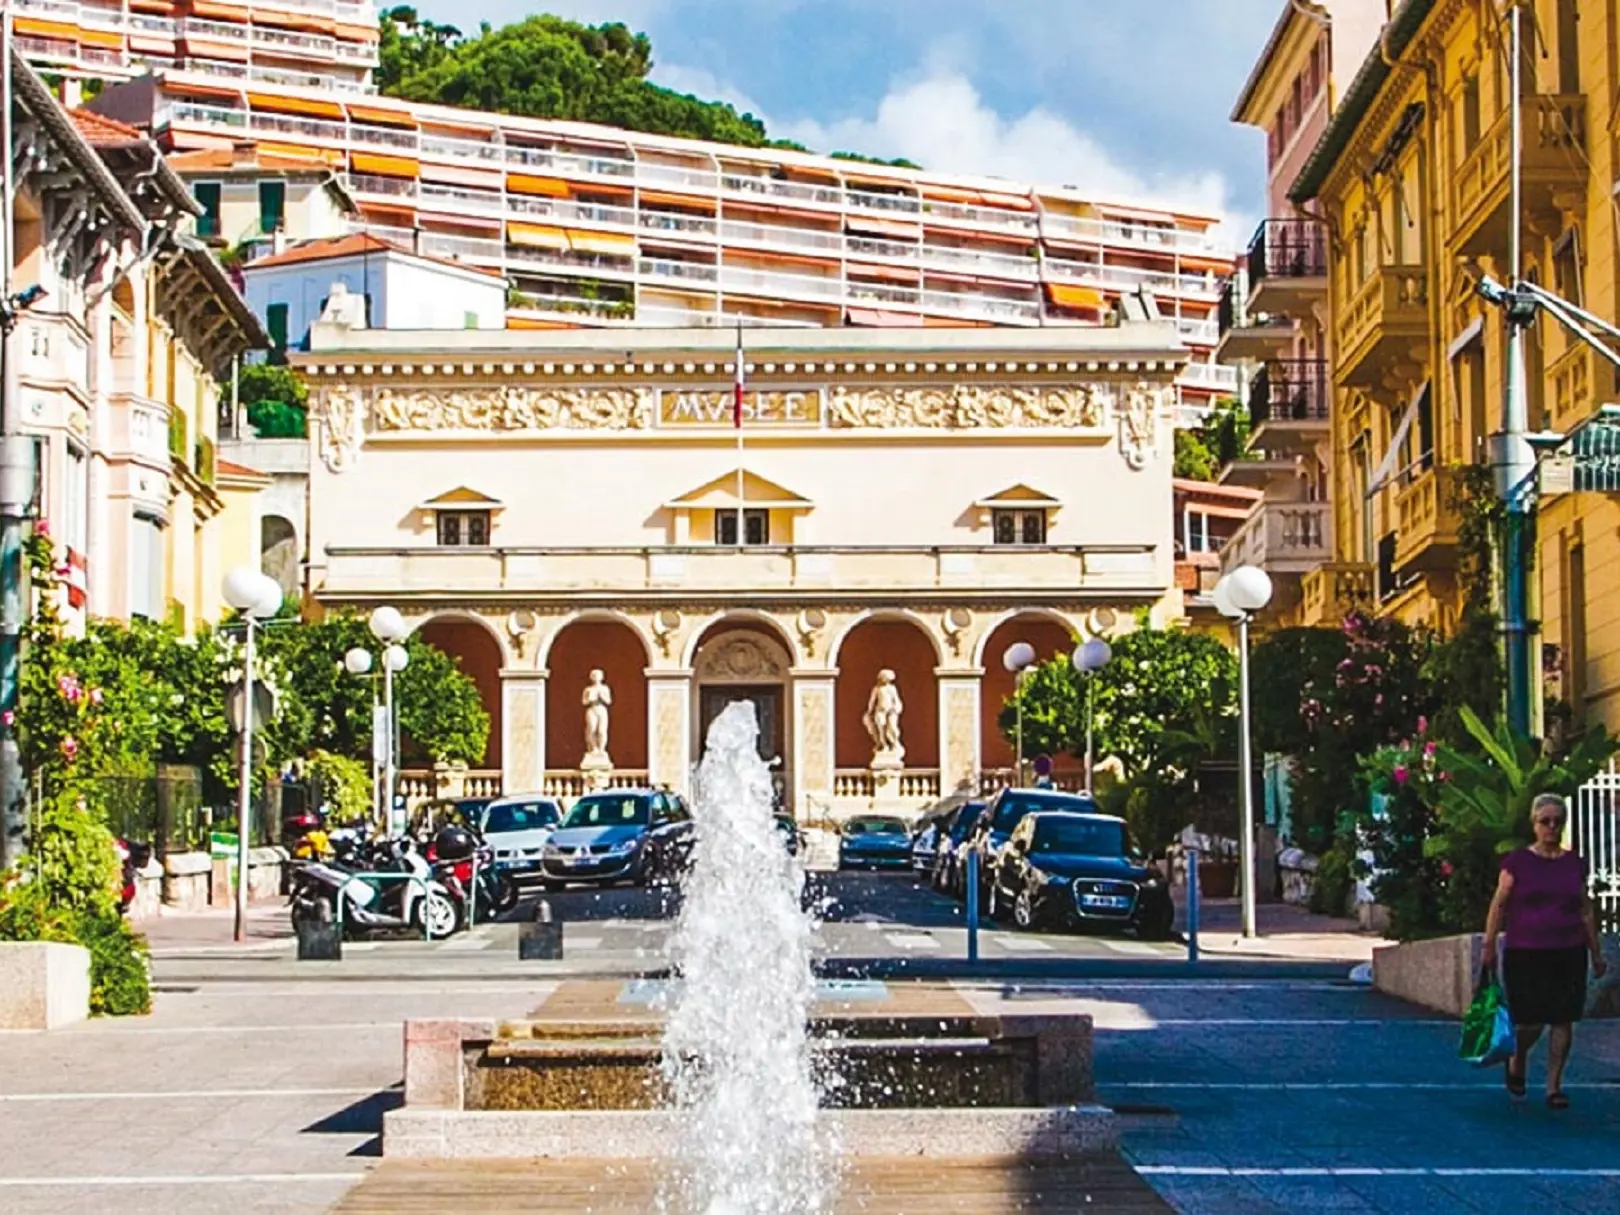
737	425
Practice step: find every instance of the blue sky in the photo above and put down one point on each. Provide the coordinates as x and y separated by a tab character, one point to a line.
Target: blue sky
1126	100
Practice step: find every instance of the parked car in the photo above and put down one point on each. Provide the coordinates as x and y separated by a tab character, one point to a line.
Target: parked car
640	836
517	829
1002	815
1062	869
874	841
954	831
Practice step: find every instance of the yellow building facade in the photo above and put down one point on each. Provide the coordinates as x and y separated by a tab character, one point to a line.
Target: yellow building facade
1412	180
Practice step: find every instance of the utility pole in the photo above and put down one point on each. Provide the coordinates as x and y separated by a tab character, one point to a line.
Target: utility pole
16	489
1512	457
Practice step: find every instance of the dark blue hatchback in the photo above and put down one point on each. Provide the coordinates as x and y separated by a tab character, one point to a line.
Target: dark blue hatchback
875	841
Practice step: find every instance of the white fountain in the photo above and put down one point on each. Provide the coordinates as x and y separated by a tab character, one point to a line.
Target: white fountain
736	1054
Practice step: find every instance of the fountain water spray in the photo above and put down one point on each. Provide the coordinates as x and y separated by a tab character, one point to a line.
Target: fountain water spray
737	1056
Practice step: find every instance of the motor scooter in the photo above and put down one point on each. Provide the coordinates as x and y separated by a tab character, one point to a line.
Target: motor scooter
132	858
374	900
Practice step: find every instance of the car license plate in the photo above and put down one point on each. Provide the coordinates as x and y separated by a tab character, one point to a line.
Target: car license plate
1105	901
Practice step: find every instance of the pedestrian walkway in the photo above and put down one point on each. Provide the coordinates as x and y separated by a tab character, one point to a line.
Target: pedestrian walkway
1285	932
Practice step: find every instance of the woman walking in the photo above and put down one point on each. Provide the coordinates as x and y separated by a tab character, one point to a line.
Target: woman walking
1551	930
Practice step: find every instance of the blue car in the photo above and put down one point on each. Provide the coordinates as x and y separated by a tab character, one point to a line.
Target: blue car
875	841
640	836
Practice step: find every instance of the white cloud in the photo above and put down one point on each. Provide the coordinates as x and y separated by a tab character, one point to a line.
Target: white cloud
940	120
700	82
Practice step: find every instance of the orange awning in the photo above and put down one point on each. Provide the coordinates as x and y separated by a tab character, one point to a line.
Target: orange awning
284	104
355	33
1074	297
537	236
316	157
372	113
1011	202
152	6
889	274
444	126
550	187
882	319
211	8
883	227
529	322
157	44
481	179
101	38
193	88
602	242
678	200
385	166
1023	240
970	198
871	179
45	29
387	216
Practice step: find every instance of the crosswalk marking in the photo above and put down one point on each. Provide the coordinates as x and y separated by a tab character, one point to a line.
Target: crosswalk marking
1133	949
1023	944
466	944
911	940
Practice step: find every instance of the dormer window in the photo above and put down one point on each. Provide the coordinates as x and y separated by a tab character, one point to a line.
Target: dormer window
756	527
461	518
1019	526
463	527
709	514
1018	515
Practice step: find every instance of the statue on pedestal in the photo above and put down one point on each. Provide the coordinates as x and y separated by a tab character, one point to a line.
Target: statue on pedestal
597	698
882	721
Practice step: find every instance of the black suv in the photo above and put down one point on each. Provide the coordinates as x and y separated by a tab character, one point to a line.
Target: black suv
1063	869
1002	815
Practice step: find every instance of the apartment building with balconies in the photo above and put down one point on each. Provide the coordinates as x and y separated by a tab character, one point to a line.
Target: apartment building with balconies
114	371
1273	313
1413	175
599	226
330	45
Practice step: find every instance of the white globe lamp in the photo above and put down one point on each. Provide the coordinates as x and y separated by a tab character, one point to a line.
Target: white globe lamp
357	661
1249	589
388	624
397	658
251	593
1018	656
1092	656
1221	597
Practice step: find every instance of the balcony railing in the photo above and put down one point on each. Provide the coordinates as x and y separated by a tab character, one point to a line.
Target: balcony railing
1554	158
1288	248
1427	518
1281	537
656	571
1333	590
1217	377
1290	390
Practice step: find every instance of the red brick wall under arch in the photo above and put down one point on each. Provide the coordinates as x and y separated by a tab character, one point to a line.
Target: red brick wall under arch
479	656
618	652
905	649
1051	640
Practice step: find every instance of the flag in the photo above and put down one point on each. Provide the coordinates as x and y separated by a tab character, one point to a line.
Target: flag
738	388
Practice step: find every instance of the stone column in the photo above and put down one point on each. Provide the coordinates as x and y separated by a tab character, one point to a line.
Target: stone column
813	735
959	743
669	729
523	742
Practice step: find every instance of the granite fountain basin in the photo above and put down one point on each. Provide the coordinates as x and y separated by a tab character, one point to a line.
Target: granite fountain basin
913	1071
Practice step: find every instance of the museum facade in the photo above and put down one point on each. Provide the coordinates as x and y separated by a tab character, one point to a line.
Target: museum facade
577	517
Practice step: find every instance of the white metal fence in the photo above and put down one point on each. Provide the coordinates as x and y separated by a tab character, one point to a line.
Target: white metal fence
1596	836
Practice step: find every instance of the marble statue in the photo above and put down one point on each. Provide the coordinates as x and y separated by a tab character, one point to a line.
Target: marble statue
882	720
598	696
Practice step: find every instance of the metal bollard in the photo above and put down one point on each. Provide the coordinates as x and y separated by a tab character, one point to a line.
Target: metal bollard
541	939
973	906
1192	905
319	939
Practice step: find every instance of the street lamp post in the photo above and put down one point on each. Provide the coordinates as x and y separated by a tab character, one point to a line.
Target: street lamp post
257	597
1018	658
1089	659
1238	595
389	627
357	662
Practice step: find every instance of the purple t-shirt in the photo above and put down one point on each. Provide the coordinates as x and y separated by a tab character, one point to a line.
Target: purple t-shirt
1545	906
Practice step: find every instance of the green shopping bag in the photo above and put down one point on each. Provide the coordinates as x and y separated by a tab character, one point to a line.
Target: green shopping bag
1487	1028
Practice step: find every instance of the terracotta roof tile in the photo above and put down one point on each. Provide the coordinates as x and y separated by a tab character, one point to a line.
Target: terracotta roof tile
99	129
216	160
231	469
352	245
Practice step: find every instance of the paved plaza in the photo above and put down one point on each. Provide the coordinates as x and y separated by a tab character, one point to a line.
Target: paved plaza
259	1083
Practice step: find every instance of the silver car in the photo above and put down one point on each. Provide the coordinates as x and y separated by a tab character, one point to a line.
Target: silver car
517	829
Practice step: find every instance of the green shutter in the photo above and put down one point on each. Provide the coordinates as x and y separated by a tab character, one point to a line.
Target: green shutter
272	205
207	195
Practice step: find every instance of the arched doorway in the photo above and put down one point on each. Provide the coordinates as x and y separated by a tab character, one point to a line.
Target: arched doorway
1051	639
478	654
895	644
618	651
740	659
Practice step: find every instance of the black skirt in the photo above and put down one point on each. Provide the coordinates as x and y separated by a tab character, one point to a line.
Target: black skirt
1545	986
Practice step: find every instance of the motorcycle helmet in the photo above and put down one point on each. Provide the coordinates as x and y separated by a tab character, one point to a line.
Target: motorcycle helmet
454	843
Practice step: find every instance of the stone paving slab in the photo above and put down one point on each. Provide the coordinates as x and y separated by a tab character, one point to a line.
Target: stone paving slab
871	1187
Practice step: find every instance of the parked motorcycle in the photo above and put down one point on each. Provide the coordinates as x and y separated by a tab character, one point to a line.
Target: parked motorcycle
466	866
370	903
132	858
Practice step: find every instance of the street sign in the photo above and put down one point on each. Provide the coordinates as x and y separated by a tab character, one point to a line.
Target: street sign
264	705
381	734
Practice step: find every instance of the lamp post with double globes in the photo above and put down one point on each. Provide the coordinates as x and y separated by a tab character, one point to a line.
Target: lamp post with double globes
1019	658
257	597
357	662
1238	596
389	627
1089	659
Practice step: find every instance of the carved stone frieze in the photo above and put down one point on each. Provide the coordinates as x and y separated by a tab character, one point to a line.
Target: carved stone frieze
511	407
342	414
973	407
1139	422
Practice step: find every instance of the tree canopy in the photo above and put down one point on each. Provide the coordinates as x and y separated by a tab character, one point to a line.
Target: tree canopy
549	67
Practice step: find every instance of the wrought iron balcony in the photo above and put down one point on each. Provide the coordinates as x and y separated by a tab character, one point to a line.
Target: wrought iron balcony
1287	249
1290	390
